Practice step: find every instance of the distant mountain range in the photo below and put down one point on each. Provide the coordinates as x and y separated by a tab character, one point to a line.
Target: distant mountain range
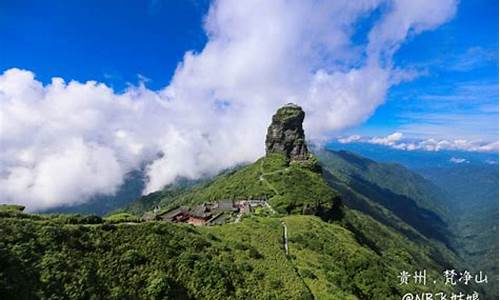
468	184
473	212
417	159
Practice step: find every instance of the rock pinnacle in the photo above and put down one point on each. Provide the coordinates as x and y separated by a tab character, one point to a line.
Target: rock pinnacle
285	135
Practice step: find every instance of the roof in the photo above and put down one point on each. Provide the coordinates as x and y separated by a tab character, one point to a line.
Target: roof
226	205
174	212
200	211
218	219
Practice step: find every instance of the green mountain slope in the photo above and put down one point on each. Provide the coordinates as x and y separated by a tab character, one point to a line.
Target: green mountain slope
393	177
292	186
44	257
148	202
313	247
289	186
354	256
473	191
388	192
462	213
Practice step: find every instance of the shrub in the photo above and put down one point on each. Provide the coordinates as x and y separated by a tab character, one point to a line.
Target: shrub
122	218
253	253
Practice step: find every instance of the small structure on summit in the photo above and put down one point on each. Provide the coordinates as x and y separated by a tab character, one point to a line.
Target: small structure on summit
285	135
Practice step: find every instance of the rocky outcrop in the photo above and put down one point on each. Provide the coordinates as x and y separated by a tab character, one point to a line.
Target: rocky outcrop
285	135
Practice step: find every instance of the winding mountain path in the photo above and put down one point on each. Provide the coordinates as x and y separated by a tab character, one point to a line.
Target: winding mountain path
263	174
285	236
238	218
270	208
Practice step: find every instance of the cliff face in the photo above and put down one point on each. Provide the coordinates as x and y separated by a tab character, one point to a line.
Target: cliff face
285	135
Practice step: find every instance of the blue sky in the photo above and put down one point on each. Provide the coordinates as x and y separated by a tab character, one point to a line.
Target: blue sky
96	91
456	94
104	41
456	63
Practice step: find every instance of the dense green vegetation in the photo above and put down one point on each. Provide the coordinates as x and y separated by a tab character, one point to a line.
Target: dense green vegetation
356	251
148	202
388	192
393	177
471	198
287	113
339	264
295	187
122	218
11	208
417	208
46	259
473	202
43	258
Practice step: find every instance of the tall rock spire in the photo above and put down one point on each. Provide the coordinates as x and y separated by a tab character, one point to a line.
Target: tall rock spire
285	135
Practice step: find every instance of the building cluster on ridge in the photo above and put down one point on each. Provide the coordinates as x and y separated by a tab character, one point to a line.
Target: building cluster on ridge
210	213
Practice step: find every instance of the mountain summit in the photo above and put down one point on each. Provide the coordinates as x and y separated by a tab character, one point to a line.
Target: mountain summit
285	135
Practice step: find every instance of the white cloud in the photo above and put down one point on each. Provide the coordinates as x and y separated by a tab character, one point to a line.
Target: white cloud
349	139
460	110
458	160
472	58
396	140
389	140
63	142
491	162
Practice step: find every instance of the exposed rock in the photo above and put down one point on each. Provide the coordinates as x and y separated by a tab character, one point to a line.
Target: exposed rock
285	135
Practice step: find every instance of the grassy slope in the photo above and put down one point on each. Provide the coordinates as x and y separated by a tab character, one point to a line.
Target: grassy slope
289	187
474	197
286	186
392	184
47	259
393	177
359	181
356	257
43	258
388	192
336	265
